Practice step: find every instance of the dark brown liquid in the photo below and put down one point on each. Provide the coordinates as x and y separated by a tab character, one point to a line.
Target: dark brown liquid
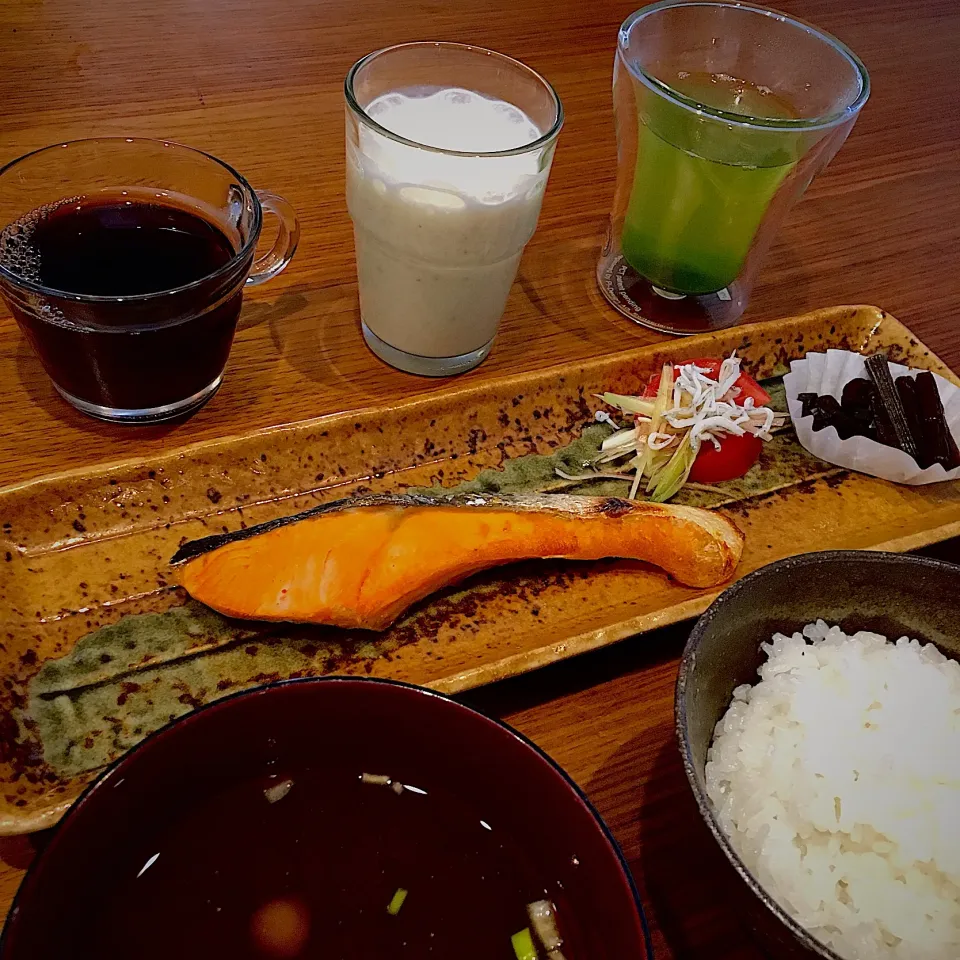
312	875
130	354
122	248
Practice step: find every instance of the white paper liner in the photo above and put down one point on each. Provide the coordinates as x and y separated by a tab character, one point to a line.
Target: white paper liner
828	373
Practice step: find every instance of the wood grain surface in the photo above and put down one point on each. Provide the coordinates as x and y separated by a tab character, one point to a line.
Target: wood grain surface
259	84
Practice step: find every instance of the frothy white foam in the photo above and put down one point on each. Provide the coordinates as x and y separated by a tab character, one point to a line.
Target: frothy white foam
455	119
452	119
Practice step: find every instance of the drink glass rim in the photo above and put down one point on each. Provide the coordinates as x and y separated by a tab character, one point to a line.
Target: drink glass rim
365	117
223	270
738	119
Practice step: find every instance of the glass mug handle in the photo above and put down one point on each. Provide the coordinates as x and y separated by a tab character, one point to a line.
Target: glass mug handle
269	264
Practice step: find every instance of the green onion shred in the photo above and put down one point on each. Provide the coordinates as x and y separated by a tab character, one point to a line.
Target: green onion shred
397	902
523	945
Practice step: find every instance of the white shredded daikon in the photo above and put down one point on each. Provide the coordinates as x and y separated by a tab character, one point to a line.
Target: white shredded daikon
712	408
703	409
660	441
622	438
601	416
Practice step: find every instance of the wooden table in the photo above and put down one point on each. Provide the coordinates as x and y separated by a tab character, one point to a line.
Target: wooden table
259	84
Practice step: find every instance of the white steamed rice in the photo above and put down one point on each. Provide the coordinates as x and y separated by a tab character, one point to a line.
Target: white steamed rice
837	779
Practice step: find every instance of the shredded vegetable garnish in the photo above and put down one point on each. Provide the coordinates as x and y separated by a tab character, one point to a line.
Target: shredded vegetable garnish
381	780
690	408
278	791
377	779
543	919
397	902
523	946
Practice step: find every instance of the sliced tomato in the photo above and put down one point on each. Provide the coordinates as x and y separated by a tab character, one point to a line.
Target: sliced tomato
652	387
734	458
750	388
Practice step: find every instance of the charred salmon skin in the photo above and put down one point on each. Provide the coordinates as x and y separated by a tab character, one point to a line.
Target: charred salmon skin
361	562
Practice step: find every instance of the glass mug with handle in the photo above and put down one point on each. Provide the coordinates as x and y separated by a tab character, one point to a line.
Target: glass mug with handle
725	113
124	262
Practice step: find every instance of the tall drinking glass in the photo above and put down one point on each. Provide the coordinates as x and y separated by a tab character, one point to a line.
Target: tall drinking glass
725	112
448	152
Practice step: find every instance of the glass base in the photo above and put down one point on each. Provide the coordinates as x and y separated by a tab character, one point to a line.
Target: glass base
424	366
663	310
169	411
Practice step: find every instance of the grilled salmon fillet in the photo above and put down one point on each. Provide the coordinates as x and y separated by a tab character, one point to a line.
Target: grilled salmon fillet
361	562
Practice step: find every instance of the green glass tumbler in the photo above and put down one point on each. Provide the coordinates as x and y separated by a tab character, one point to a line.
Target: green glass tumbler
725	113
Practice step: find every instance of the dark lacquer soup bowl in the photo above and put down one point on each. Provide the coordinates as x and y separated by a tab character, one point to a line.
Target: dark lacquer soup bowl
328	818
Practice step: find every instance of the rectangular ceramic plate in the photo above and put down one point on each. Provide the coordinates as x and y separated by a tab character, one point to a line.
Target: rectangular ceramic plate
83	549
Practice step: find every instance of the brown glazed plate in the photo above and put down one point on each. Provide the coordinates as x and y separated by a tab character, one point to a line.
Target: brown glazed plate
99	648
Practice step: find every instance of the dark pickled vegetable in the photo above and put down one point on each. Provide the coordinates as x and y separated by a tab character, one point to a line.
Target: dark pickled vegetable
824	410
936	436
808	403
857	402
878	366
848	427
907	395
825	413
882	424
828	413
906	413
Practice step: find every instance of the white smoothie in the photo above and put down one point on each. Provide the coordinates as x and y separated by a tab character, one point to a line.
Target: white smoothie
439	237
